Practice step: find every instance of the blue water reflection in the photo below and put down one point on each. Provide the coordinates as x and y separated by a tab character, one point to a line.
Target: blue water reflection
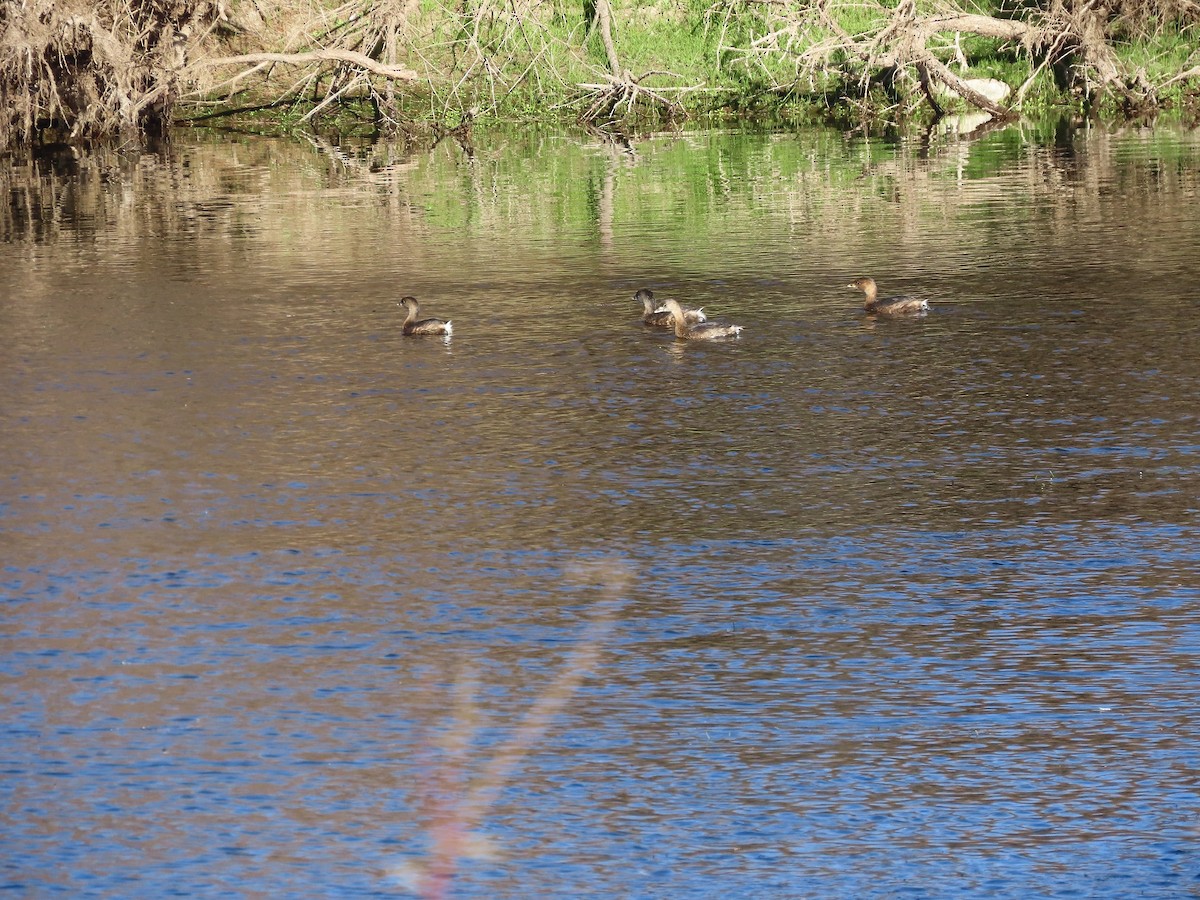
905	608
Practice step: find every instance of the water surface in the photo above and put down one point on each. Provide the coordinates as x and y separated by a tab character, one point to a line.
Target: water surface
906	608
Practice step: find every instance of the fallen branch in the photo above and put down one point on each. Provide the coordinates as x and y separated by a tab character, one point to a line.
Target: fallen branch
904	52
348	57
941	72
907	37
972	23
1193	72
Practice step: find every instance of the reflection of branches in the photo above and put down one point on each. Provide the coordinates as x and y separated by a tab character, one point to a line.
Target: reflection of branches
454	810
369	171
461	134
612	137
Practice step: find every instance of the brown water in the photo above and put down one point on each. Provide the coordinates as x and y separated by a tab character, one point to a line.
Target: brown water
907	608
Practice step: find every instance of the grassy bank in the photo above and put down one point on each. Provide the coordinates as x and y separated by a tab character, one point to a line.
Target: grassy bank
78	70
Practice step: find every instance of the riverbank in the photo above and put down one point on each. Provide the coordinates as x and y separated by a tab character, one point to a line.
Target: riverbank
77	71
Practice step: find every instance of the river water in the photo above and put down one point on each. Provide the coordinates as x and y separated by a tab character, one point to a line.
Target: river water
295	606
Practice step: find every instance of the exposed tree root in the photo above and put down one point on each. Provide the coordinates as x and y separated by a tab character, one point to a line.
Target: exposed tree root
73	70
623	96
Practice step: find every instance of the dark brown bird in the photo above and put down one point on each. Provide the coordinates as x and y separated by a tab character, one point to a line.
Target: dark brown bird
660	316
413	325
889	306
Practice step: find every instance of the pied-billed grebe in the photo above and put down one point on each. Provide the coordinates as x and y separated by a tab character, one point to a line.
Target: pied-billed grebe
703	331
423	326
889	306
660	316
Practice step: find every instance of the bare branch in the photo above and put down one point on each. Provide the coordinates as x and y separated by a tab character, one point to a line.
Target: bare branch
349	57
604	23
938	70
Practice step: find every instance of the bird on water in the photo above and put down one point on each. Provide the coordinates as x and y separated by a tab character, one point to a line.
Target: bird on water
889	306
703	331
660	316
415	325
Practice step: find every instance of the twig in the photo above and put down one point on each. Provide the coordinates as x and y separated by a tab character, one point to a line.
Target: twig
331	97
1193	72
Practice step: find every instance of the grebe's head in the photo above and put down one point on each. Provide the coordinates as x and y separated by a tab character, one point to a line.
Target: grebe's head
645	297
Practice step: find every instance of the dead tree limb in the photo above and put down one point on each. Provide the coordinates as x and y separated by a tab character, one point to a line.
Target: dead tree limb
939	71
346	57
604	24
903	49
622	88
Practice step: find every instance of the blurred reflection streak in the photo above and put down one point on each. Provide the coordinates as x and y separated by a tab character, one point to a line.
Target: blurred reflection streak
454	807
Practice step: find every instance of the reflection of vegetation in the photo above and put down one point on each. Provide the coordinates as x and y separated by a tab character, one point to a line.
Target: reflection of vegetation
531	186
454	806
121	65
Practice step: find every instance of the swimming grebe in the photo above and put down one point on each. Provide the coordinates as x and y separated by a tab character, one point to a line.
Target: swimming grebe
660	316
704	331
889	306
424	326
